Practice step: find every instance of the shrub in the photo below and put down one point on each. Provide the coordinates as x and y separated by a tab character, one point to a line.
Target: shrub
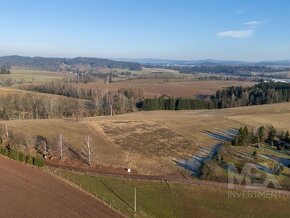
29	159
22	157
1	150
38	161
13	155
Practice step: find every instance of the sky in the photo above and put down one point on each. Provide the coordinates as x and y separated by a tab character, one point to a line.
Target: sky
250	30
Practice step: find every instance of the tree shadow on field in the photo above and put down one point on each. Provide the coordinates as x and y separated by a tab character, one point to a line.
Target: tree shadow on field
75	154
223	136
118	196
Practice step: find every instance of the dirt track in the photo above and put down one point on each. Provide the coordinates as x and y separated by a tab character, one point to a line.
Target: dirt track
29	192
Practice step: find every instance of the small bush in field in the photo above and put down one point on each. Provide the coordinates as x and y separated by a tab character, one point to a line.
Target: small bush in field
38	161
29	159
22	157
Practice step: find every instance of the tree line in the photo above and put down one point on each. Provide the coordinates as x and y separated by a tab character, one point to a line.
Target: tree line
171	103
262	93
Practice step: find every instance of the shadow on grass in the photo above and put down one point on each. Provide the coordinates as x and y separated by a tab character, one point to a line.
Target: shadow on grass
118	196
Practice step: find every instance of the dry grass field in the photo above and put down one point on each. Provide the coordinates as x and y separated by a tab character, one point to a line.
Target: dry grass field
172	87
29	75
148	142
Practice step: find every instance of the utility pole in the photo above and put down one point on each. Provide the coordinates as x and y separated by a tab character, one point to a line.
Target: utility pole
135	203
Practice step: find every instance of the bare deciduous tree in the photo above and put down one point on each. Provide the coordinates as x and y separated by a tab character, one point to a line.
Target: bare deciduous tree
87	151
60	143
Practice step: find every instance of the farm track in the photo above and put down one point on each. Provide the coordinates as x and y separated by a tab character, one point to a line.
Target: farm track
30	192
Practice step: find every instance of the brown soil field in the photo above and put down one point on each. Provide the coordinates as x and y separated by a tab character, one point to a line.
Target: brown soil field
172	87
30	192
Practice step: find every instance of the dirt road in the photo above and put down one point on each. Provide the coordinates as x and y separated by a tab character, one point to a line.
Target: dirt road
29	192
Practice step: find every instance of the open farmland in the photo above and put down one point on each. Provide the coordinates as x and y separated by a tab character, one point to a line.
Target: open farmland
29	192
30	75
149	142
172	87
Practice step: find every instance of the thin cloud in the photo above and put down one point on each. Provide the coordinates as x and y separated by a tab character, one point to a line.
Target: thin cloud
239	34
254	22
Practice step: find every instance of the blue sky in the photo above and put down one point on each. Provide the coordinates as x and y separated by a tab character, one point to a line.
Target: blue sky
175	29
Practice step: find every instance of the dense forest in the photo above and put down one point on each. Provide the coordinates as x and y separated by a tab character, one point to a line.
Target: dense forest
58	64
262	93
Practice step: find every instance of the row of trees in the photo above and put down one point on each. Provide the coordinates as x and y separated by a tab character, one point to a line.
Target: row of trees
170	103
262	93
259	135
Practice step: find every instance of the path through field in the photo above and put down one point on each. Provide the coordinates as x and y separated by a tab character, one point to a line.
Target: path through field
30	192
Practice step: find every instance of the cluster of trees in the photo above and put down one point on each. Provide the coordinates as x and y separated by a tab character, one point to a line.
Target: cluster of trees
36	106
262	93
260	135
33	106
101	102
5	70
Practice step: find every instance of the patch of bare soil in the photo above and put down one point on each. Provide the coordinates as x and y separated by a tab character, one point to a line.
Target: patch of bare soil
30	192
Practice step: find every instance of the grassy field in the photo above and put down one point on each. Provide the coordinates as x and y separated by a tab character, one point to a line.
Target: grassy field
29	76
158	199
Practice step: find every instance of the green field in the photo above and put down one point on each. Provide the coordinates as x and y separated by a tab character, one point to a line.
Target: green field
160	199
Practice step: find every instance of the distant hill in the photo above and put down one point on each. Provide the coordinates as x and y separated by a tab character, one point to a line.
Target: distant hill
206	62
57	64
